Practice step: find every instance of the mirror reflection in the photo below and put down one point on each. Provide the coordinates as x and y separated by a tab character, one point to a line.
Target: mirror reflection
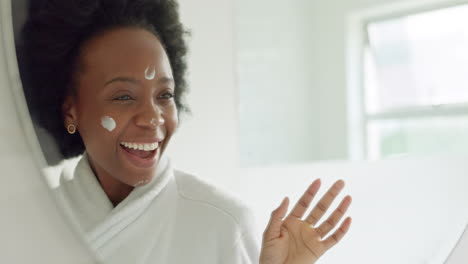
106	83
106	80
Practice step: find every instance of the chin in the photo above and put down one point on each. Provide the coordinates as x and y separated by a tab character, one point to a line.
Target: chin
141	181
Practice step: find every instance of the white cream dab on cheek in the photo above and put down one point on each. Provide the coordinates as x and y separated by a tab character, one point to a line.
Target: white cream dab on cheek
150	73
108	123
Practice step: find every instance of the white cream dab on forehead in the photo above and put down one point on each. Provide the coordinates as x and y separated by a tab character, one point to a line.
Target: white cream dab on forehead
108	123
150	73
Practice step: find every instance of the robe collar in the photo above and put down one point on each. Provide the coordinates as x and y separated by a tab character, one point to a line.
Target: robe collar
93	210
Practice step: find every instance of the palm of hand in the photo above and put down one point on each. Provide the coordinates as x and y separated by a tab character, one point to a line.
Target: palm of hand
296	241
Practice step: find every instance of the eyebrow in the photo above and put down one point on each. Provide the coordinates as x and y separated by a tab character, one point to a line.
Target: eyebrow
163	80
166	80
122	79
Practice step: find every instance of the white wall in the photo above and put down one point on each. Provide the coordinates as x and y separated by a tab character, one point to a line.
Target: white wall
275	106
207	142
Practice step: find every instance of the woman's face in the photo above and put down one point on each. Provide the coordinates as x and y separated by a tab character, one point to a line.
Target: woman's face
124	101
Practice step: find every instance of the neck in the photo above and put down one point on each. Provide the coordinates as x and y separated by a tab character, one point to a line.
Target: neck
115	190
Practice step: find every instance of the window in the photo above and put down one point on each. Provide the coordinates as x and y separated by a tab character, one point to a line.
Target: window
415	84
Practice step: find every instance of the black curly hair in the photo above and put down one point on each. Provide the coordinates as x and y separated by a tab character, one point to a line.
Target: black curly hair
52	39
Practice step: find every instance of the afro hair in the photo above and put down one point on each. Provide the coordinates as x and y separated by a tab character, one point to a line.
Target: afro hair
52	39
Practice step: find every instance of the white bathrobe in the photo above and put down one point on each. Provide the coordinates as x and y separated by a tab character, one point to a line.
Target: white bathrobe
176	218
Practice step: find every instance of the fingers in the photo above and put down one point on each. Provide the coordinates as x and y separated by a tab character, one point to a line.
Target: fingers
322	206
304	202
335	217
273	230
338	235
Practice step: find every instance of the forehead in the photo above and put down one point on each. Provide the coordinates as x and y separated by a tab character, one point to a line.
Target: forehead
124	50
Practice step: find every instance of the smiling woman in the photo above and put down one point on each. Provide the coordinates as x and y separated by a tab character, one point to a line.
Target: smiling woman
113	92
106	80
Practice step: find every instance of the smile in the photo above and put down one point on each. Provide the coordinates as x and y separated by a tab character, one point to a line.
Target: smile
140	146
142	155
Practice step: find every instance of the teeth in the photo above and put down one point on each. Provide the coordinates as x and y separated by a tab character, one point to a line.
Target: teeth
139	146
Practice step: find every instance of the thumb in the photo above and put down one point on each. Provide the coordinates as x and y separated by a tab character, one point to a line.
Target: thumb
273	230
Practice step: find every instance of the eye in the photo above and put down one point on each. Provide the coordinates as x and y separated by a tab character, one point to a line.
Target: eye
167	95
123	98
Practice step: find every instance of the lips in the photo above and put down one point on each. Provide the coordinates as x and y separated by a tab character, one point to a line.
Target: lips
143	154
140	158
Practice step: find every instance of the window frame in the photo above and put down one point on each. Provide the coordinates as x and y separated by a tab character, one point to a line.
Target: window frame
356	42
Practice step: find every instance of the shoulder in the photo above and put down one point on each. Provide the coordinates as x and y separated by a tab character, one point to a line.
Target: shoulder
227	223
216	200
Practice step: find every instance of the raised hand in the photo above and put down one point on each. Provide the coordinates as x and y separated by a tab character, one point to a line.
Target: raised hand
293	240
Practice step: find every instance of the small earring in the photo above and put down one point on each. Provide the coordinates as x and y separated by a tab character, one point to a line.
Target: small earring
71	129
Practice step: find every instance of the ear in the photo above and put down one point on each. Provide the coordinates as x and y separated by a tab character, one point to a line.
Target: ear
69	111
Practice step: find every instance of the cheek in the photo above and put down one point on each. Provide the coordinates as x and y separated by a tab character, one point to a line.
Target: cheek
111	124
99	125
100	129
172	120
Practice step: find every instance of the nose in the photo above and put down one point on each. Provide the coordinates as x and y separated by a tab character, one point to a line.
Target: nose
150	116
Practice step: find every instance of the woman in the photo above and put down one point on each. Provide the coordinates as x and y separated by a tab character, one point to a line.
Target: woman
106	78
